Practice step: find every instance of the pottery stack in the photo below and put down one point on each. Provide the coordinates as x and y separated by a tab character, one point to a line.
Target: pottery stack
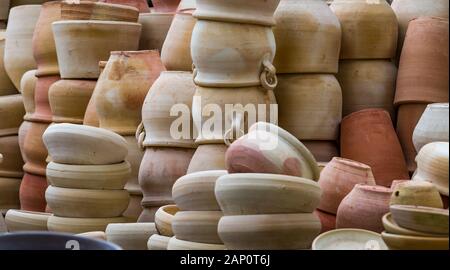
308	38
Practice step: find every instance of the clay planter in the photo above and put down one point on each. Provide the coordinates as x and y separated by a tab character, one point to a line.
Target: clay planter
27	87
12	158
141	5
419	58
165	5
121	90
18	56
9	194
404	242
195	192
12	112
163	219
170	89
159	170
422	219
176	49
328	221
83	145
69	99
254	194
158	242
392	227
6	85
269	232
208	157
132	236
308	37
94	235
364	207
197	226
17	220
176	244
154	30
323	151
112	176
416	193
368	136
338	178
432	126
80	225
43	112
86	51
310	106
87	10
32	193
349	239
432	165
369	29
86	203
34	150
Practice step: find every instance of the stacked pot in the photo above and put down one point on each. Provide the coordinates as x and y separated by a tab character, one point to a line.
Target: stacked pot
308	38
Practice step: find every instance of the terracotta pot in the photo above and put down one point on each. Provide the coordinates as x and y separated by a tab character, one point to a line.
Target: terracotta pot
12	158
432	126
80	225
419	58
277	231
310	106
148	213
369	29
323	151
6	85
91	117
176	50
368	136
18	57
416	193
94	235
406	242
131	236
121	90
17	220
87	10
176	244
158	242
165	5
43	112
197	226
141	5
34	150
308	37
170	89
328	221
422	219
134	157
9	194
32	193
338	178
163	219
364	207
134	210
12	112
27	87
154	30
208	157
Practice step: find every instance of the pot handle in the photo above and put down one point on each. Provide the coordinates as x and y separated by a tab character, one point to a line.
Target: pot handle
235	128
269	75
140	136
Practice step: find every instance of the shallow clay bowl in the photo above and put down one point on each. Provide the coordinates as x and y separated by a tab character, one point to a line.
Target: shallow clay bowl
349	239
391	227
158	242
163	219
422	219
197	226
405	242
177	244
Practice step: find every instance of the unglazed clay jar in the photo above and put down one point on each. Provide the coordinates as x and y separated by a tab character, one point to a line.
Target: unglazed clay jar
176	50
6	85
32	193
165	5
78	57
270	149
406	242
163	219
176	244
86	203
84	145
154	30
369	29
233	55
338	178
195	191
327	220
169	90
419	58
18	56
364	207
9	194
432	126
254	194
416	193
17	220
42	111
422	219
12	112
158	242
269	232
27	87
208	157
141	5
310	105
34	150
368	137
122	88
197	226
69	99
94	235
131	236
323	151
80	225
88	10
308	37
12	157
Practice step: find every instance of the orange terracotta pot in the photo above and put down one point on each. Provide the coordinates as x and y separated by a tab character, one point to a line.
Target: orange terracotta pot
141	5
323	151
327	220
34	149
32	193
165	5
43	112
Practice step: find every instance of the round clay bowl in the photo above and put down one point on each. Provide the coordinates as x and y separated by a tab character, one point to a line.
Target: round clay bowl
27	87
423	219
85	203
253	194
327	220
433	126
88	176
164	218
9	193
17	220
323	151
158	242
32	193
94	235
208	157
12	112
154	29
141	5
392	227
42	110
131	236
416	193
176	244
33	149
84	145
197	226
12	158
86	10
80	225
404	242
349	239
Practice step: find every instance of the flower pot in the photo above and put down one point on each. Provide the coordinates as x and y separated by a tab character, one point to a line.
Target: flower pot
121	90
310	106
87	10
165	5
369	29
27	88
43	112
91	117
78	57
34	150
163	219
308	37
12	158
134	157
155	27
6	85
141	5
422	219
432	126
80	225
416	193
338	178
368	137
32	193
94	235
158	242
208	157
323	151
176	244
392	227
17	220
131	236
327	220
406	242
197	226
12	112
364	207
9	194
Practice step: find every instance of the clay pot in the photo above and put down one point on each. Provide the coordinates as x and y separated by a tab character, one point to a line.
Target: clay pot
121	90
310	106
176	244
197	226
163	219
432	126
32	193
195	192
154	30
141	5
68	100
23	130
308	37
12	112
422	219
170	89
328	221
368	136
134	157
369	29
158	242
132	236
80	225
12	158
18	57
323	151
91	117
34	150
94	235
338	178
364	207
165	5
86	51
9	194
277	231
87	10
208	157
406	242
148	213
83	145
134	210
27	87
6	85
416	193
17	220
419	58
43	112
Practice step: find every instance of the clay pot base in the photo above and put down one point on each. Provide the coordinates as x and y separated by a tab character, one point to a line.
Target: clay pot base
163	219
17	220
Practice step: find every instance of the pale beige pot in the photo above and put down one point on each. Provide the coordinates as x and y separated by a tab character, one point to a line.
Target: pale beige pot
17	220
18	57
208	157
6	85
310	106
78	57
432	126
369	29
80	225
12	158
158	242
176	244
131	236
197	226
367	84
11	112
9	194
164	218
233	55
308	37
27	86
155	27
134	157
416	193
91	10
